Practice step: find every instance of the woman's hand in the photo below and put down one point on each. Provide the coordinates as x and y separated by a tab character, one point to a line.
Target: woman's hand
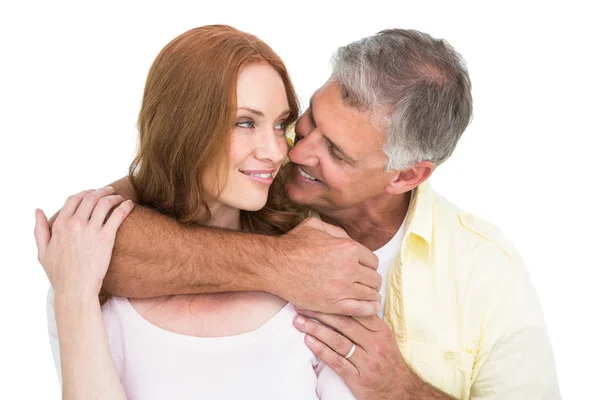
77	253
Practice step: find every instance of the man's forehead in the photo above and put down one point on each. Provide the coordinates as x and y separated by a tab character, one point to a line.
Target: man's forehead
343	124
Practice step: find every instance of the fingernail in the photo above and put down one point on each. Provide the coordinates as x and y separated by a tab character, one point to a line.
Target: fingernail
310	339
109	187
300	320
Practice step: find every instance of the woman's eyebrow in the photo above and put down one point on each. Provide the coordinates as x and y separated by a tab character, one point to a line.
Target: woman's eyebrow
260	113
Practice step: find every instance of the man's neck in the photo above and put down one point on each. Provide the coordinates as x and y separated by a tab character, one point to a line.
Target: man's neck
373	222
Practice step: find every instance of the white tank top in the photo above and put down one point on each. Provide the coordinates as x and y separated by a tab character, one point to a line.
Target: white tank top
271	362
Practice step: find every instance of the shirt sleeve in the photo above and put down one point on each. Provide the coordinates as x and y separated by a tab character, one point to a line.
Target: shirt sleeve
53	333
329	384
515	359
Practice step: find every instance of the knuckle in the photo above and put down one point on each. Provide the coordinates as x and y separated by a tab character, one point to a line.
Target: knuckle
346	323
74	224
378	348
58	225
91	197
337	361
338	341
104	201
118	213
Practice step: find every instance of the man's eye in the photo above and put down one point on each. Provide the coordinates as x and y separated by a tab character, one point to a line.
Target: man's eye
245	124
332	152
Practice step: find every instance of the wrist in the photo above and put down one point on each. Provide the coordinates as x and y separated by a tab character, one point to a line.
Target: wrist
74	299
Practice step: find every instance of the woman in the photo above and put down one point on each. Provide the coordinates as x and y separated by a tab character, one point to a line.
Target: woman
216	106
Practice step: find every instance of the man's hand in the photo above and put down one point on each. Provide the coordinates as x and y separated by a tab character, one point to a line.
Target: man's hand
325	270
376	368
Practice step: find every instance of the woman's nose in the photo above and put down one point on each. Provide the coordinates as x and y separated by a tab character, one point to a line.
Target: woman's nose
272	146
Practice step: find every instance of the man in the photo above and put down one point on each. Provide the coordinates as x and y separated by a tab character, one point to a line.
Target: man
461	317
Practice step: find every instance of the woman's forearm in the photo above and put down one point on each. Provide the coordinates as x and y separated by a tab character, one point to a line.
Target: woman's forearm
88	369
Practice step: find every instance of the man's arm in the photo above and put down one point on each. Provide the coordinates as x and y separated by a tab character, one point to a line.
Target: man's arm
515	359
315	266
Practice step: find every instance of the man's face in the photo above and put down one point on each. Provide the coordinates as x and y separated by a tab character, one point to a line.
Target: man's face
338	155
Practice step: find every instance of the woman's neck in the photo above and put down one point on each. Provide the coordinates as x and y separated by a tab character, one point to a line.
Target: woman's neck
223	216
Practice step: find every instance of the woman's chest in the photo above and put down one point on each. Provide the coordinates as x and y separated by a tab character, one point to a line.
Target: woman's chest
212	315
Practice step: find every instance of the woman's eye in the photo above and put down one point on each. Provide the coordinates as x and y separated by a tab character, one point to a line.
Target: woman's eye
281	126
245	124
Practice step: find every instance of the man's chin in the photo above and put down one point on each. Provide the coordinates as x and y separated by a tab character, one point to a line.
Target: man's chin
295	194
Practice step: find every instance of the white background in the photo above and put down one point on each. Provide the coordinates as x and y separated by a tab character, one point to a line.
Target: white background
71	80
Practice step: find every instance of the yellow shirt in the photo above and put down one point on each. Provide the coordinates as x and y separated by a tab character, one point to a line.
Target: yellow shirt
464	312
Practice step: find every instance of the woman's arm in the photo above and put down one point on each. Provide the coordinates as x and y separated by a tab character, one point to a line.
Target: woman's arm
75	257
88	369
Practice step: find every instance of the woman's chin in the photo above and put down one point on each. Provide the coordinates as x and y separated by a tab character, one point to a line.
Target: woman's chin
252	204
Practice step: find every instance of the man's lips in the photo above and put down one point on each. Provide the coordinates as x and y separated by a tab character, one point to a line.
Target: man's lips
306	175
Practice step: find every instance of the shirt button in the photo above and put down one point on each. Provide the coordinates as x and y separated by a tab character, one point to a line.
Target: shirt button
449	355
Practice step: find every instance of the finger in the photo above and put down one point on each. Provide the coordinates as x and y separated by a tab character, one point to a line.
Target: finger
372	323
333	339
332	230
354	328
369	277
345	368
346	327
103	207
367	258
85	209
71	205
356	308
41	233
118	216
364	293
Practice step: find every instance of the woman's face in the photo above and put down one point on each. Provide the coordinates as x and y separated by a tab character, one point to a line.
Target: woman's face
258	144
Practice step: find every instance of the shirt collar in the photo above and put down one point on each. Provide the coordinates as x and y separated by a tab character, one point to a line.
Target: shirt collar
419	222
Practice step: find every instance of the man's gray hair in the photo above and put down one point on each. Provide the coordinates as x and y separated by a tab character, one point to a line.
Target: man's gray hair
417	86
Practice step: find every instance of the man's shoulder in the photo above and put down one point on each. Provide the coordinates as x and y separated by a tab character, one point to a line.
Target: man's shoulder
468	231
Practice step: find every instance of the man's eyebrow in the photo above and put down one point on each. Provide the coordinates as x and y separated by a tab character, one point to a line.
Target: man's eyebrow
330	143
310	113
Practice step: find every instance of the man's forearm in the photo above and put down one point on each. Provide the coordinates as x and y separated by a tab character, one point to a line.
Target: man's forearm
417	389
154	255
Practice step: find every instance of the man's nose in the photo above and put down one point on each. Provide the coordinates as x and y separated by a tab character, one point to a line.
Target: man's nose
304	152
